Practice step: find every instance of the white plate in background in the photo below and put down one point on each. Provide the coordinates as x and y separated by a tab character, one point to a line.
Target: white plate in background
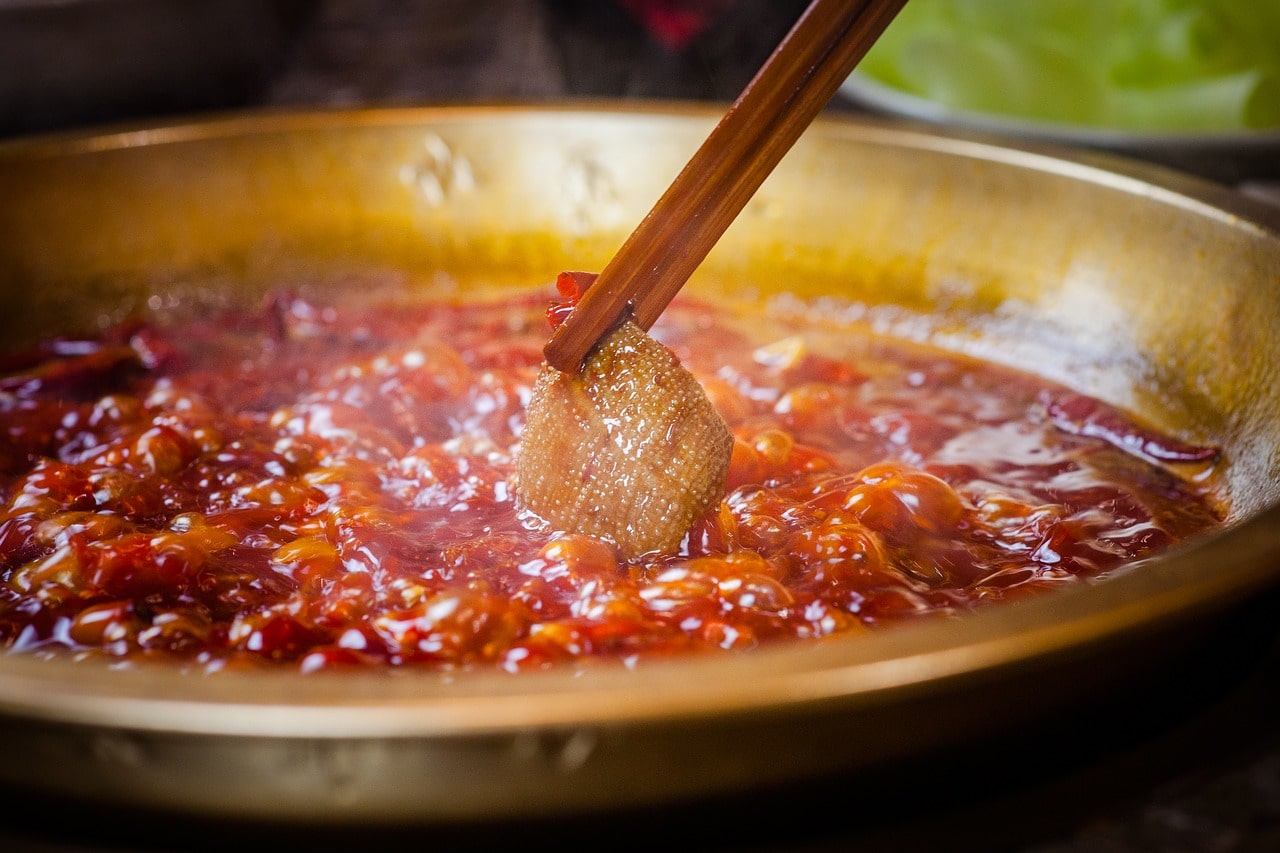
1232	157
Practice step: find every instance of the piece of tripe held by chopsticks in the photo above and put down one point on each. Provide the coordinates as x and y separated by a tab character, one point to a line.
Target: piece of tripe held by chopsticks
629	449
620	440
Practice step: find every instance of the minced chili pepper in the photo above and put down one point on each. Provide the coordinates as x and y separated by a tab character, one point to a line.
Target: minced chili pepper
322	485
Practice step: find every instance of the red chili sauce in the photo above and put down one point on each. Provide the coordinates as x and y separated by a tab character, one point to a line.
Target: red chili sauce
322	485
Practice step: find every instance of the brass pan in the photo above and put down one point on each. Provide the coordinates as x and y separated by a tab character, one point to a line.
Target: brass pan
1154	290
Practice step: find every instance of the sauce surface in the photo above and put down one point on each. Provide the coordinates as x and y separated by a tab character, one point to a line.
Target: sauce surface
319	485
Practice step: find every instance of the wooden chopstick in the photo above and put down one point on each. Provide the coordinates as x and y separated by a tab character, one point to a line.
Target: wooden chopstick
791	88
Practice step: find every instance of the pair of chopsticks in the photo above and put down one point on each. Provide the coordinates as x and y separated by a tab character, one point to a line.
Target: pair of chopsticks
788	92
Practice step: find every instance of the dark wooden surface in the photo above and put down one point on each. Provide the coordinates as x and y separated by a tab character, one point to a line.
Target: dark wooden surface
1187	760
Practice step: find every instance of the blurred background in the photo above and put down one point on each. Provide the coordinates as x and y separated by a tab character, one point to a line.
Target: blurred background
65	63
1190	83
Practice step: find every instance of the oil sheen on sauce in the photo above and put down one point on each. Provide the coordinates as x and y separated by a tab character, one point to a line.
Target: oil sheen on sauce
319	485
